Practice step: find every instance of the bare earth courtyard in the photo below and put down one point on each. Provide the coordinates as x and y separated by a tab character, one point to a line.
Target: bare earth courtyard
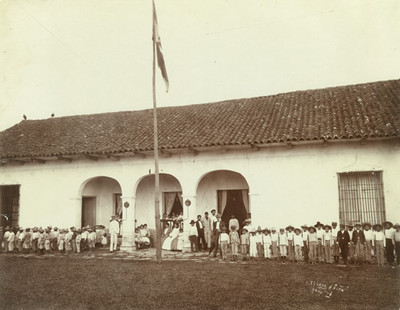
186	281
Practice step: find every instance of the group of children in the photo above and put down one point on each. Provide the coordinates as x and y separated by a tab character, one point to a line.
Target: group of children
361	243
53	240
142	237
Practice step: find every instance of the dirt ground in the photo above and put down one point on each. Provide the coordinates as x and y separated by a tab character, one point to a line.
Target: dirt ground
111	283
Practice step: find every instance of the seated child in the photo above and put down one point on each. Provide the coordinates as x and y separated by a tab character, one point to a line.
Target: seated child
181	240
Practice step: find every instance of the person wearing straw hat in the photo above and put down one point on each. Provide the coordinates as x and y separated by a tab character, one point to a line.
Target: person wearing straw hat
260	242
397	242
113	230
267	244
274	243
389	235
369	236
335	243
343	240
312	244
290	237
298	244
304	234
253	244
193	234
351	244
283	244
217	228
320	245
379	244
327	242
244	243
359	243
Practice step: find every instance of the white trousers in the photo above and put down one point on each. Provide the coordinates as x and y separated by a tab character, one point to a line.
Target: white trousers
113	241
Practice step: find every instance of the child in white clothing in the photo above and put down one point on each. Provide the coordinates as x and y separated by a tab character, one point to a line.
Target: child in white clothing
253	245
298	244
267	244
223	242
283	243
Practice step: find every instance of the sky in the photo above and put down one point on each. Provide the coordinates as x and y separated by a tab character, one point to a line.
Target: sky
94	56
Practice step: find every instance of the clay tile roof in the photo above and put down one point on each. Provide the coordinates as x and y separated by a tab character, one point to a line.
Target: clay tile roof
369	110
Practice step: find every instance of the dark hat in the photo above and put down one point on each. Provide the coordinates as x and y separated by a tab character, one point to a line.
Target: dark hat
192	222
358	224
366	224
387	222
350	226
318	224
334	223
342	226
244	229
40	229
297	229
376	226
325	226
102	226
311	228
290	226
304	226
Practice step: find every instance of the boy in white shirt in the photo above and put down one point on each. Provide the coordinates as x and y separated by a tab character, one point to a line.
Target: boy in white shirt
298	244
223	243
260	243
369	240
305	242
11	240
290	236
5	238
283	243
253	245
274	243
267	244
380	243
327	242
335	243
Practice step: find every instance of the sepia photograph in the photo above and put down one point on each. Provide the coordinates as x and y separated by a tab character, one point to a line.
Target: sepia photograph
199	154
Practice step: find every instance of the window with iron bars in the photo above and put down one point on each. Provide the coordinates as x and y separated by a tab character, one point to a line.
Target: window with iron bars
361	197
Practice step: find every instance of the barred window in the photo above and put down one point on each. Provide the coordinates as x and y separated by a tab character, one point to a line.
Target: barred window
361	197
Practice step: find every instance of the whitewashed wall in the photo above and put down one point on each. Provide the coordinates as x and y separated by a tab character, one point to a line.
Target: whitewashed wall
286	185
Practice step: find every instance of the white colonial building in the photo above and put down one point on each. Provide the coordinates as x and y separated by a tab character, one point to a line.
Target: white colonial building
295	158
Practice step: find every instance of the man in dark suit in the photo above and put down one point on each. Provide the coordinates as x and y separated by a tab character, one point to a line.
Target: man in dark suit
343	238
201	240
217	228
359	242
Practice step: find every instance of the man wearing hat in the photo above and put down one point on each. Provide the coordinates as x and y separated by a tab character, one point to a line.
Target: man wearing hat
217	229
335	243
290	237
379	244
359	242
369	236
320	245
312	244
389	236
343	238
304	234
193	234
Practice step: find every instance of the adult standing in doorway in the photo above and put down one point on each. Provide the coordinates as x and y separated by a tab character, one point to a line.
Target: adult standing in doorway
208	227
233	222
114	231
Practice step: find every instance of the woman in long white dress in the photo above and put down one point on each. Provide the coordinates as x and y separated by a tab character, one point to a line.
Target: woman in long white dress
172	236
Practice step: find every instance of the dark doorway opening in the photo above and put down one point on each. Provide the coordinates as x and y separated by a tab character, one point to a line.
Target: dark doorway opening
234	205
9	205
88	211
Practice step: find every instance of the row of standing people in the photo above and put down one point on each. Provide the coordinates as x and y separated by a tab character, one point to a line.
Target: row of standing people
41	241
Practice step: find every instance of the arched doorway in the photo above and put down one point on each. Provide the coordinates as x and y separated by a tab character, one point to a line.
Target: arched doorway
101	198
225	191
170	198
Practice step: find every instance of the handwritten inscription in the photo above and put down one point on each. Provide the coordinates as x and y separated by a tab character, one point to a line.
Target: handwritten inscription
323	289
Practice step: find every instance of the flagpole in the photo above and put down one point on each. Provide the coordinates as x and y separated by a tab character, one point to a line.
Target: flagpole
156	167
